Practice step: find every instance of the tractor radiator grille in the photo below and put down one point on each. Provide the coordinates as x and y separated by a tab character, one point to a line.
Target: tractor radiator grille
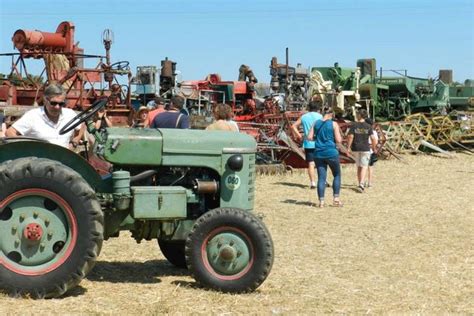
252	175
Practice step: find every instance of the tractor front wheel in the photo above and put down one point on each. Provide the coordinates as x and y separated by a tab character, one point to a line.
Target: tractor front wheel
229	250
51	227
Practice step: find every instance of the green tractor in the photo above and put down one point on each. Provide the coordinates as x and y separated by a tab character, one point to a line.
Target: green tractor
191	190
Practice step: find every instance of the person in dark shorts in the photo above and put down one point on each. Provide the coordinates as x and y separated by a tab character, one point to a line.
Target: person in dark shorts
172	118
358	142
307	120
373	157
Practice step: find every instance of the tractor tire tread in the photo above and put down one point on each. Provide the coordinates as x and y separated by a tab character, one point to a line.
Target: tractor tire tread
45	168
255	224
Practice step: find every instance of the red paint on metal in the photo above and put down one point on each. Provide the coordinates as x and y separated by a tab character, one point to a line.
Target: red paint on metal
23	39
33	232
33	42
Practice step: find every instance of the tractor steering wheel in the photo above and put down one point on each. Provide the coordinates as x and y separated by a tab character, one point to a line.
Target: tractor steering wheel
83	116
120	65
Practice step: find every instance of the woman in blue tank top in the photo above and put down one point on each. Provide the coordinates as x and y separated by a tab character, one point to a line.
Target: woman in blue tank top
327	135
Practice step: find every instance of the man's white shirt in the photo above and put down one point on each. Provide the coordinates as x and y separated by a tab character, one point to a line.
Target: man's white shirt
35	123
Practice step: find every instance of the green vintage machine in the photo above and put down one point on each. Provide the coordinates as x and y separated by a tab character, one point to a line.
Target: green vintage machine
191	190
343	88
389	97
414	95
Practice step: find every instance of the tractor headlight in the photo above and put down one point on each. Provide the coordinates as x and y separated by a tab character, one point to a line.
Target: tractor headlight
236	162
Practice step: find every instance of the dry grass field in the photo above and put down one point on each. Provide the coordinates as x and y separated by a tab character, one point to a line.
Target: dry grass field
405	246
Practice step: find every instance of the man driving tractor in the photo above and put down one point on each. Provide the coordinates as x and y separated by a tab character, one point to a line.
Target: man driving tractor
45	122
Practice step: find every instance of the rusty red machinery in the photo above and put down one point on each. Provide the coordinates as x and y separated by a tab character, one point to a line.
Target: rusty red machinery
64	64
201	95
266	121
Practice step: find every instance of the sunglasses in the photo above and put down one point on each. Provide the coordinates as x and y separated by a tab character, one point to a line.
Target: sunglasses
54	103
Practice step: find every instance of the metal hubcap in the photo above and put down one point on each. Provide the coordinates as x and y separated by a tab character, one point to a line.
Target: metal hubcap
228	253
33	232
36	231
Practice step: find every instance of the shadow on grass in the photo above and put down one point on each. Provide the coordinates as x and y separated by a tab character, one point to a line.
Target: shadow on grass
134	272
296	202
75	292
187	284
195	285
291	184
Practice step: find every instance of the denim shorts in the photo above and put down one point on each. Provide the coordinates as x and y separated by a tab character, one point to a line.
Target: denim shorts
309	153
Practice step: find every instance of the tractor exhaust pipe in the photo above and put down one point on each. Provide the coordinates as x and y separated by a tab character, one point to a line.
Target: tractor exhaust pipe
206	187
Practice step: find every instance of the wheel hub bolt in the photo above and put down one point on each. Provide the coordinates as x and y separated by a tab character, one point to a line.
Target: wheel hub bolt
42	245
33	232
231	243
227	253
14	229
22	217
17	243
239	253
35	214
46	221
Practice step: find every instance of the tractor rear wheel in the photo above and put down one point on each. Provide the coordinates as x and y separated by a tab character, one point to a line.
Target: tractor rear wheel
51	228
229	250
173	250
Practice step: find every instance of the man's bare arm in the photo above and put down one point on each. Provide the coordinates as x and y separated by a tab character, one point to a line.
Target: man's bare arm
373	143
295	126
337	133
12	132
350	138
78	135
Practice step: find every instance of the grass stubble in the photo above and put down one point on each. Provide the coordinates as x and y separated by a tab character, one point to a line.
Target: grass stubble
405	246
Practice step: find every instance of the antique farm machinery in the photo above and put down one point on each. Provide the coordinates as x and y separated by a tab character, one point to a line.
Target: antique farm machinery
64	62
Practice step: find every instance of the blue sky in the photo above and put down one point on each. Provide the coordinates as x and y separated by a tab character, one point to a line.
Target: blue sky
218	36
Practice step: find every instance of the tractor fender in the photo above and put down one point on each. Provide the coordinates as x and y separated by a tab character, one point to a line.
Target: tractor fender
11	149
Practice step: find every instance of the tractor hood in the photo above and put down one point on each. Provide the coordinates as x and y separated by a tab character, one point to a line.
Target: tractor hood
198	142
173	147
199	148
132	146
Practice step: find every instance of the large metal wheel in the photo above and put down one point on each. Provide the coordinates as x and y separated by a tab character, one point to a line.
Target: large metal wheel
173	250
229	250
51	228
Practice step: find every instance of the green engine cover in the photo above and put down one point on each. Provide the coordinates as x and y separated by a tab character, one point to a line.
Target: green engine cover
133	146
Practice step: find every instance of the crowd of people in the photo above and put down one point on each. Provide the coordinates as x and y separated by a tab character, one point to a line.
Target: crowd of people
45	122
321	138
322	142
